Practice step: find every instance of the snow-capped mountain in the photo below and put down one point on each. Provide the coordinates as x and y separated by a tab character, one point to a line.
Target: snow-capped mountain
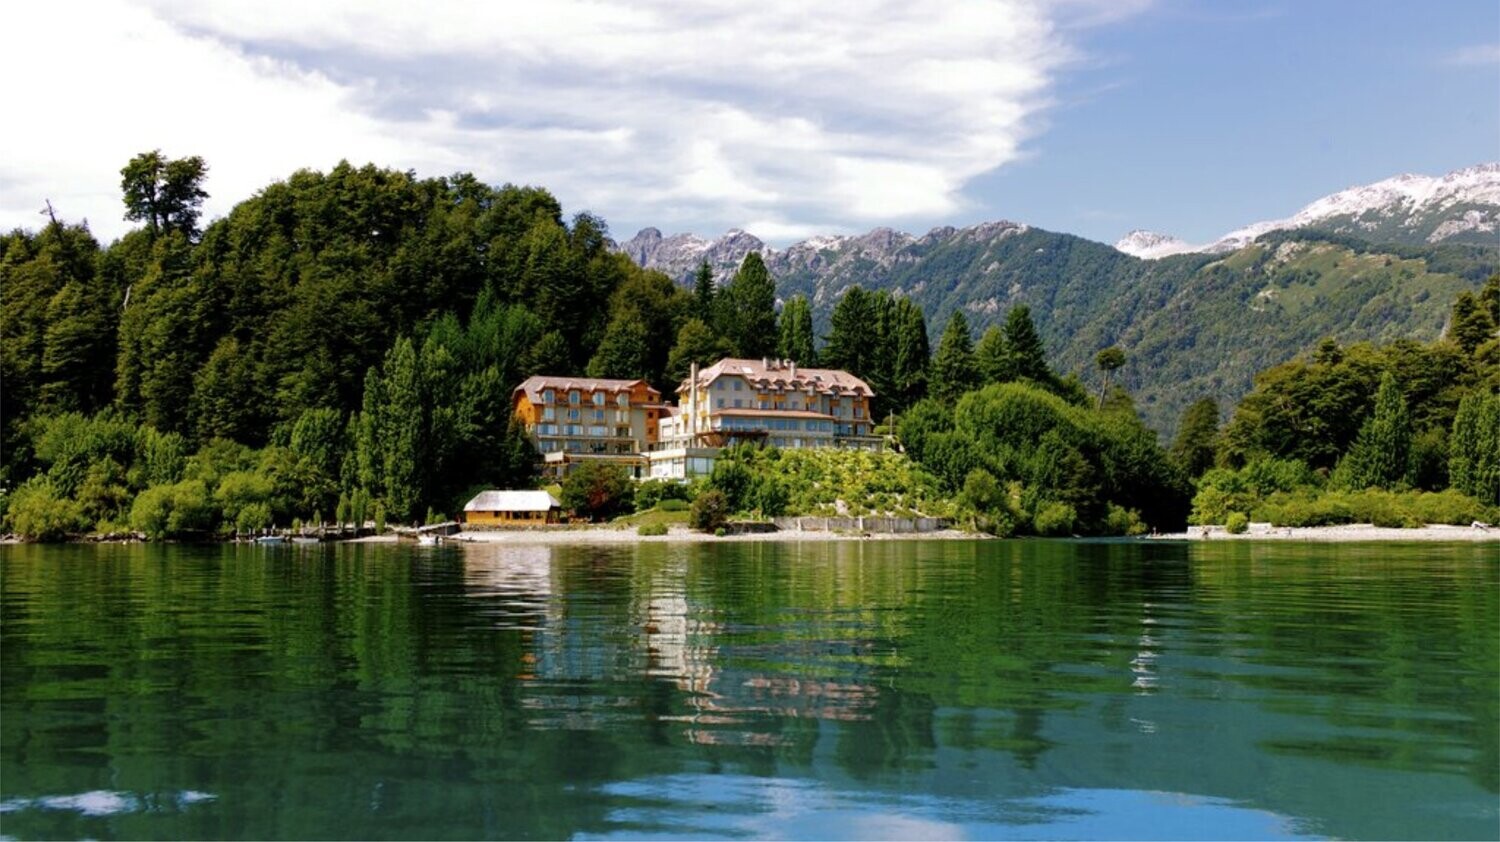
1150	245
837	259
1462	206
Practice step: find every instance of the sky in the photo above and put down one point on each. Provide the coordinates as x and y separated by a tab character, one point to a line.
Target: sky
1093	117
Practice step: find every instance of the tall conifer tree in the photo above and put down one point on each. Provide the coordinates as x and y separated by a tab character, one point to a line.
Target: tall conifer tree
953	369
703	292
747	309
797	332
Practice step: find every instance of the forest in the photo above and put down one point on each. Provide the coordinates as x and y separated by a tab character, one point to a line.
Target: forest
341	347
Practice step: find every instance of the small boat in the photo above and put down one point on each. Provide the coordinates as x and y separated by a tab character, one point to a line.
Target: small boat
426	539
306	539
270	539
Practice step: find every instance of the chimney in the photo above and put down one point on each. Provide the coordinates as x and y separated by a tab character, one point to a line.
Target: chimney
792	366
765	363
693	399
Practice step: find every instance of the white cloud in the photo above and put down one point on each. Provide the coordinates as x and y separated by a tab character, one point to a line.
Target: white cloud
702	115
1480	55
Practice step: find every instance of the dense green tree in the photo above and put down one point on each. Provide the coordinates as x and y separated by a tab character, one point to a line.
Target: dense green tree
696	343
710	511
1472	323
549	355
1108	360
597	491
1380	456
625	351
853	333
1474	448
165	193
703	292
796	340
1027	358
747	309
953	368
1197	441
992	357
37	512
910	355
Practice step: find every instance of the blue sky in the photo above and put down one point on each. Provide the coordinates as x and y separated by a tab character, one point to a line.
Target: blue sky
1088	116
1196	118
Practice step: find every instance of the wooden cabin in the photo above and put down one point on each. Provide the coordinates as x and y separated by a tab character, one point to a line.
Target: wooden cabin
512	508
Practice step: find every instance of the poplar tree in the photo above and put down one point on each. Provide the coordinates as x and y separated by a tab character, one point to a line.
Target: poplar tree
1474	448
1381	453
402	450
953	369
796	342
911	357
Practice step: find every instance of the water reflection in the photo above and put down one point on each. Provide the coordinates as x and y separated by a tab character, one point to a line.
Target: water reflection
831	689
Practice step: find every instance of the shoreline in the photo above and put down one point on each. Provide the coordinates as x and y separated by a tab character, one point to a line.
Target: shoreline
1342	533
605	534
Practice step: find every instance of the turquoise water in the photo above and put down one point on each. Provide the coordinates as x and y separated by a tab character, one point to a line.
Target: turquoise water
822	690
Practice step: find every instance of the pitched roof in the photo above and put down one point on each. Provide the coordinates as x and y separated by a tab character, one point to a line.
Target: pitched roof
775	413
512	501
533	386
787	374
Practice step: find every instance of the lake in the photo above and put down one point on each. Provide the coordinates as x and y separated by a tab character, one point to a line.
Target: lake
882	689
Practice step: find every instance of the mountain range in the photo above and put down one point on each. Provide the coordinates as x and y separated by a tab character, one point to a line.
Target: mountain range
1378	262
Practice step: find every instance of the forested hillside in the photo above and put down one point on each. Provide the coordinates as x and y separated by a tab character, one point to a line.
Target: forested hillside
342	347
1189	324
341	336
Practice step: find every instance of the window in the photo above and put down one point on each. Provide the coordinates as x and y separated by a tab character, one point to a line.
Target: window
737	403
573	397
598	399
548	396
575	415
622	432
738	385
721	403
549	414
623	399
598	415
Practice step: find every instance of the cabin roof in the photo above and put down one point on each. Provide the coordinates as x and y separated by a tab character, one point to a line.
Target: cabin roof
512	501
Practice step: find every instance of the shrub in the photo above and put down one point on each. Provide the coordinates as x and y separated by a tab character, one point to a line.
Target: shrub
252	517
1451	507
651	529
734	480
1236	523
673	505
37	513
1292	510
597	491
710	511
1055	519
1122	521
720	532
654	492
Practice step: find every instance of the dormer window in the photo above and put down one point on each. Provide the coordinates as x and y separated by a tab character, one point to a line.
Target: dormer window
575	397
549	396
